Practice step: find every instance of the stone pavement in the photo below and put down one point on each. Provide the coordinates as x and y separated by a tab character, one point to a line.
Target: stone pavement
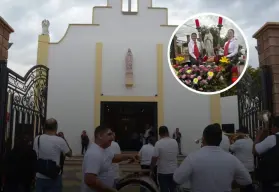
72	175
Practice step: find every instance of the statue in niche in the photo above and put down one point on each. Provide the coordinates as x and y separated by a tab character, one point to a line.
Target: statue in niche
45	27
208	44
129	61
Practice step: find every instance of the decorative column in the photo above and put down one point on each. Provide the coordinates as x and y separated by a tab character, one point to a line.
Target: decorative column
215	109
5	31
43	44
268	50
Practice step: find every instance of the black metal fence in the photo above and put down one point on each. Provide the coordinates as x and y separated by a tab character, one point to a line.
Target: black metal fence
23	104
254	96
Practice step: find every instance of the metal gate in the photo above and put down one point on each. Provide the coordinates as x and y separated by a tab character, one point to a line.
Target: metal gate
254	95
23	104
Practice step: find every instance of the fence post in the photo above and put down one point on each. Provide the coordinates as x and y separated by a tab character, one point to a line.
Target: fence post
3	103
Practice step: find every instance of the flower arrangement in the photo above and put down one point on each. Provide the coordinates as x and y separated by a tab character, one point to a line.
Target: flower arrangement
206	77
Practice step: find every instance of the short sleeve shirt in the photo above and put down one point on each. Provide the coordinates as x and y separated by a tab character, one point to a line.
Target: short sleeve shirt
242	149
97	161
51	147
166	149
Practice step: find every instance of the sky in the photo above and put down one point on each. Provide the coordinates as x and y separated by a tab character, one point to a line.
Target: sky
209	20
26	16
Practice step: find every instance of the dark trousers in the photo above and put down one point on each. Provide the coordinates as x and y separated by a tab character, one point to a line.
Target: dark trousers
269	188
154	171
193	61
49	185
166	182
15	187
179	147
83	148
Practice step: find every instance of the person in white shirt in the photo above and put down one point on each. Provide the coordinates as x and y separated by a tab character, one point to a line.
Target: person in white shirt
49	147
146	133
195	49
211	169
231	46
225	143
242	149
263	146
145	156
146	153
96	166
115	149
165	155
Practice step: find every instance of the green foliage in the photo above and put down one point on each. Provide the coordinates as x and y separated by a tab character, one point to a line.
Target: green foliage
253	72
215	33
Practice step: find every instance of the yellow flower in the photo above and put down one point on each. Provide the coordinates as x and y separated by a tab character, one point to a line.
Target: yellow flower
196	80
176	72
224	60
189	71
179	59
210	74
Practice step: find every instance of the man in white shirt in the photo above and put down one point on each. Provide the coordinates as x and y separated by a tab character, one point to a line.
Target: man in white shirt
262	148
231	46
165	155
195	49
145	155
49	147
225	143
211	169
96	167
115	149
146	133
242	149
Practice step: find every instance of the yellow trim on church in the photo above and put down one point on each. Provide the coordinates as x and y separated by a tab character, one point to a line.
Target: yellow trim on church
215	109
98	98
42	51
98	83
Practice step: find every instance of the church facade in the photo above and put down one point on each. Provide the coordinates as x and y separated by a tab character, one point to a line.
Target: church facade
119	62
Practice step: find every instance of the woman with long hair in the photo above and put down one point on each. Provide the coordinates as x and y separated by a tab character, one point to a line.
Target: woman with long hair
20	166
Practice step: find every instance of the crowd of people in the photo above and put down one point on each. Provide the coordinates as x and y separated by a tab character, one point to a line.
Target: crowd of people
218	165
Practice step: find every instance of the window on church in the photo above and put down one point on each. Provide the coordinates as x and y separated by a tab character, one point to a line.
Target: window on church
130	5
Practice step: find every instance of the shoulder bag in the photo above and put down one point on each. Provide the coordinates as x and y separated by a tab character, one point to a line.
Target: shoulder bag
47	167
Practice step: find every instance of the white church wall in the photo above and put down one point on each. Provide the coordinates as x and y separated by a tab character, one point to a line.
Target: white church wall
187	111
229	111
72	73
71	88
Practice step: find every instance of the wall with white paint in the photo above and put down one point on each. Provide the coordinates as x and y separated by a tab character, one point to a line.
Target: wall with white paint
229	111
72	72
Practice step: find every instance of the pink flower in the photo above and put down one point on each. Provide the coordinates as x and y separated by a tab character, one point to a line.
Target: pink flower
181	70
199	77
192	76
209	78
200	89
183	76
187	82
204	82
205	69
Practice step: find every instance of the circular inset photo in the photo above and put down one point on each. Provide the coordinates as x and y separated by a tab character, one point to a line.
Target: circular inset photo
208	53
